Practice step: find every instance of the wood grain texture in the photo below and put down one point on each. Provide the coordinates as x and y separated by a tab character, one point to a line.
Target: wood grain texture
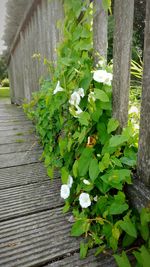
123	13
144	139
100	24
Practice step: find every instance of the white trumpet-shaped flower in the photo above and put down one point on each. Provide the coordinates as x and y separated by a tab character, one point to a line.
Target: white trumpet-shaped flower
86	182
80	91
95	198
58	88
70	181
65	191
91	97
75	99
102	76
84	200
133	109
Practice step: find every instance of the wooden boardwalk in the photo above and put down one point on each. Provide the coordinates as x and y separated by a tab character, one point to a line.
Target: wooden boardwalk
33	229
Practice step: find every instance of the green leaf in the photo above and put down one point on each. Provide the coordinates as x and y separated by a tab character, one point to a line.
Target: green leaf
80	227
62	146
128	240
115	232
84	118
116	178
127	161
94	169
116	161
106	160
50	172
112	125
122	260
145	220
128	226
83	250
101	166
138	257
75	168
102	133
101	95
99	250
82	135
64	175
118	140
113	243
70	142
66	207
106	4
117	208
145	256
84	161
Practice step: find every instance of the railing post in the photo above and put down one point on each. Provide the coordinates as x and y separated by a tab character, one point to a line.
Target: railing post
144	138
100	23
123	13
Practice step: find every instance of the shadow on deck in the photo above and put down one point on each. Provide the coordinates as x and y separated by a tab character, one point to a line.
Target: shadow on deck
33	229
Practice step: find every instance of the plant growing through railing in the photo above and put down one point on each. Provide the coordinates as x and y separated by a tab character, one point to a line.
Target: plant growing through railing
73	116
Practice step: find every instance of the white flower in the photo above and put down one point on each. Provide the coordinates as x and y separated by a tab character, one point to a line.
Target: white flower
75	99
84	200
91	97
95	198
70	181
58	88
102	63
78	111
86	182
102	76
136	126
133	109
80	91
108	79
65	191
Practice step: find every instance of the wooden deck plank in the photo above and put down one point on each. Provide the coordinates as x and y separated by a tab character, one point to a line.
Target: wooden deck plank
19	147
14	123
16	127
23	175
91	261
28	199
36	239
17	139
19	158
17	132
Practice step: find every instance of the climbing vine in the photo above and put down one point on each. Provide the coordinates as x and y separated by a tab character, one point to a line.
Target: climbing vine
73	117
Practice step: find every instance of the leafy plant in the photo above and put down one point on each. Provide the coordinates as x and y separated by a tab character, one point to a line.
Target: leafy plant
73	116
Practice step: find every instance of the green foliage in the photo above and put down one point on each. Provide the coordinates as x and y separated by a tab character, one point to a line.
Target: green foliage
5	82
3	68
73	116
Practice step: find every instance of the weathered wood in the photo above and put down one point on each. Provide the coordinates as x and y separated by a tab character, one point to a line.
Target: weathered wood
17	139
28	199
19	158
144	138
19	147
36	239
139	194
91	261
22	175
100	24
123	13
17	132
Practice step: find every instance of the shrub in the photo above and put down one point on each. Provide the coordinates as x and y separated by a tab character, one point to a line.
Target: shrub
5	82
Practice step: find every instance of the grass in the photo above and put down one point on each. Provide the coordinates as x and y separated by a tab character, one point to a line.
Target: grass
20	140
4	92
